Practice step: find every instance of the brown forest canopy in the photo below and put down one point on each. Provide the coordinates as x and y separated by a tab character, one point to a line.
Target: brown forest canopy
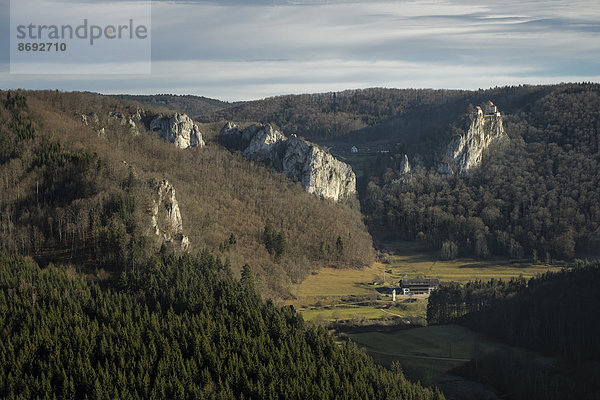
73	194
536	198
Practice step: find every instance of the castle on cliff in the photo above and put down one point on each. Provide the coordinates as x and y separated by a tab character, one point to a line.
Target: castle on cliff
489	109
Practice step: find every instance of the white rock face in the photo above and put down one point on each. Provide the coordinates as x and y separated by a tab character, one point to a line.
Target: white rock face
405	166
315	168
178	129
127	121
466	151
166	217
263	142
90	118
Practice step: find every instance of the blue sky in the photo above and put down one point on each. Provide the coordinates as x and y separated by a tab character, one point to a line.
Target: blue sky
239	50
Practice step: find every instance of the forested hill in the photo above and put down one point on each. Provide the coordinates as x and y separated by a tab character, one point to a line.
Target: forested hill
79	179
194	106
176	328
537	197
329	116
377	114
555	314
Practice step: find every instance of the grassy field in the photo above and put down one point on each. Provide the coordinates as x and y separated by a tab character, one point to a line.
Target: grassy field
434	345
360	313
426	353
320	295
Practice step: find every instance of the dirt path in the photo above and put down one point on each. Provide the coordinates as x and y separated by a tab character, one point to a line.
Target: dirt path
397	315
421	357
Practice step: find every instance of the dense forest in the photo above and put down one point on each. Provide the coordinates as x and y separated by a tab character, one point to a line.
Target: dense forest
177	327
536	197
134	317
329	116
194	106
554	314
77	183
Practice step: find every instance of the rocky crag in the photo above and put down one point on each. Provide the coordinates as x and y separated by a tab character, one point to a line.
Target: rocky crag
314	167
466	151
405	166
178	129
166	217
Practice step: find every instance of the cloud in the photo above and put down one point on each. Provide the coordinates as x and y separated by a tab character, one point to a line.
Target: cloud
239	50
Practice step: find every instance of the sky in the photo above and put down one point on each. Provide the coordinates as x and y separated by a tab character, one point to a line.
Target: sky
241	50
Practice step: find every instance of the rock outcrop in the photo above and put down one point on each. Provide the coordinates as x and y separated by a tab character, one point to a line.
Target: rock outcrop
404	166
166	217
466	150
178	129
314	167
127	120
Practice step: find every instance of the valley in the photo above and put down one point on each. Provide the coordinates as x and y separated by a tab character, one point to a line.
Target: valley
364	296
124	196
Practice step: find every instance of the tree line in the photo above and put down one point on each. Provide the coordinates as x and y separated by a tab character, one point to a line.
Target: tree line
177	327
536	197
554	314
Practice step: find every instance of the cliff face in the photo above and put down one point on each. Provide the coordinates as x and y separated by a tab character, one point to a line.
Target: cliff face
178	129
315	168
405	166
465	151
166	217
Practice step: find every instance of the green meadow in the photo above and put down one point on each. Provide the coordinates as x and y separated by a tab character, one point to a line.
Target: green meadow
345	294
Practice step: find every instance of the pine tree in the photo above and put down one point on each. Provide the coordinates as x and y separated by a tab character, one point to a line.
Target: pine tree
339	247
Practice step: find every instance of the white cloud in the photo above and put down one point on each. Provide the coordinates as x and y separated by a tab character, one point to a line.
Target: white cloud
235	50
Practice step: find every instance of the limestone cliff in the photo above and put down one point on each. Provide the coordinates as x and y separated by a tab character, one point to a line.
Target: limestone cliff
314	167
466	150
128	120
404	166
178	129
166	217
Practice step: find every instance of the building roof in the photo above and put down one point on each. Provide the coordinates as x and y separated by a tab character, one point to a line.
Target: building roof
490	103
420	282
477	107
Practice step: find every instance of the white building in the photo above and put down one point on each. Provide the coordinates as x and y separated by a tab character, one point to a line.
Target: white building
354	149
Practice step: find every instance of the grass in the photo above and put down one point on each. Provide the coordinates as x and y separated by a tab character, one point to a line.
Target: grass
443	341
330	285
428	352
357	313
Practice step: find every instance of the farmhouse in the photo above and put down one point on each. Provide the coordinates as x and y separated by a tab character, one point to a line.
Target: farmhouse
418	286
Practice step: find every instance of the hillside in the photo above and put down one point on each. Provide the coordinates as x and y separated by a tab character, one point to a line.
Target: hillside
79	183
535	196
191	105
329	116
180	328
553	314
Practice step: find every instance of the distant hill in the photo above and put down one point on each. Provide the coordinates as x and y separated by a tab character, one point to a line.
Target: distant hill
329	116
80	182
194	106
534	197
